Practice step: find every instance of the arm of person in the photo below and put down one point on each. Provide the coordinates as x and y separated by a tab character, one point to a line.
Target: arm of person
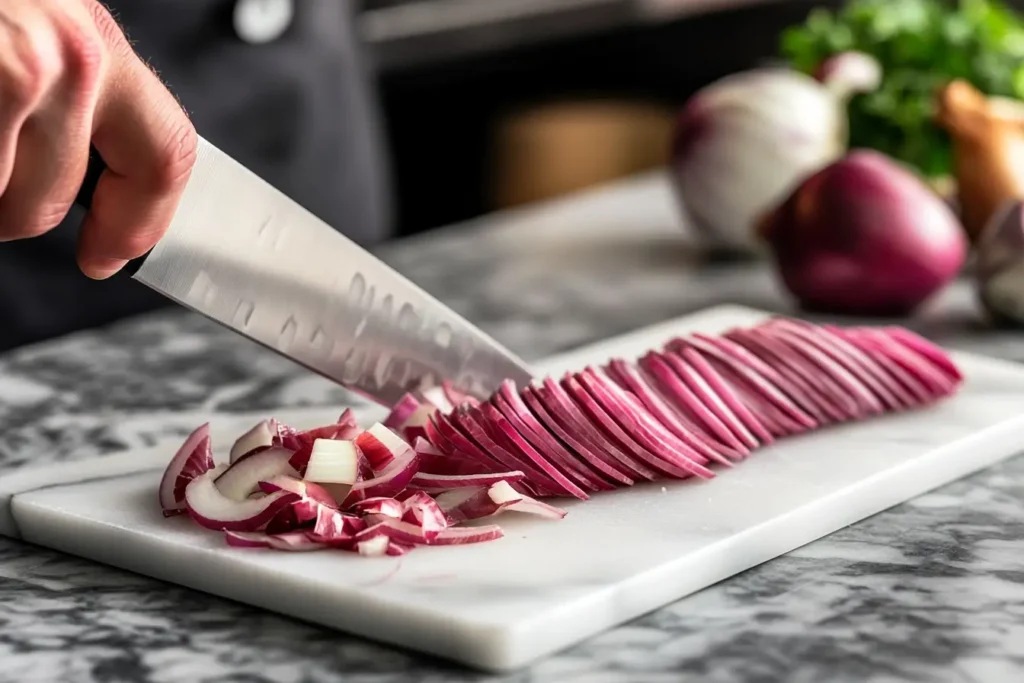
69	78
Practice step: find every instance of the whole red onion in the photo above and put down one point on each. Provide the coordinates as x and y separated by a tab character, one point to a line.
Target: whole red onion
864	236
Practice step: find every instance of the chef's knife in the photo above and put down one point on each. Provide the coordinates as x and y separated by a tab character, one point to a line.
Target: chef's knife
240	252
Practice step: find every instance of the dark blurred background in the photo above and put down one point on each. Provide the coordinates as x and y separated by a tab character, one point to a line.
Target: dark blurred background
492	103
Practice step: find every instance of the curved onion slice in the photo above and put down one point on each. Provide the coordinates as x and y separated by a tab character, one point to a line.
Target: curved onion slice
385	507
584	451
335	527
193	458
261	436
923	347
389	483
472	426
213	510
243	477
509	402
402	411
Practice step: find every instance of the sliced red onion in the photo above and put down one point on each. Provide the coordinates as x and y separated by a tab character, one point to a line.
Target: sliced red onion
761	377
335	527
504	430
402	411
389	483
406	533
213	510
639	425
867	402
333	462
422	510
923	347
294	541
261	436
501	493
465	419
798	374
386	507
381	446
444	434
601	417
243	477
632	380
712	401
558	402
434	460
724	390
683	398
396	549
937	383
859	364
194	457
438	483
463	505
589	453
510	404
346	428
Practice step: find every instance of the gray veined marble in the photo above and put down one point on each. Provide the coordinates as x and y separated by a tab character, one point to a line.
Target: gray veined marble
932	590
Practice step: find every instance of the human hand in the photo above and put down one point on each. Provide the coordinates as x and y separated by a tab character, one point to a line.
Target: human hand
68	78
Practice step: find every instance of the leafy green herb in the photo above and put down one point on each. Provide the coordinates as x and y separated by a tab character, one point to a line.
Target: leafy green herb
922	45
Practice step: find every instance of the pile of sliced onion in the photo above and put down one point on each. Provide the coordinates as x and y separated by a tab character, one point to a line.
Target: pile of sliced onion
442	458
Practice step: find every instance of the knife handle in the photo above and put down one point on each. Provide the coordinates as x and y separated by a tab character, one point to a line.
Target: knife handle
93	172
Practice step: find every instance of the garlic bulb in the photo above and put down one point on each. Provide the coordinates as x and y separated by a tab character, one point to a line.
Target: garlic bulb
743	143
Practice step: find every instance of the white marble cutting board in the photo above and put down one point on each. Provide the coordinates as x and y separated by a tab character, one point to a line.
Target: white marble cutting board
546	585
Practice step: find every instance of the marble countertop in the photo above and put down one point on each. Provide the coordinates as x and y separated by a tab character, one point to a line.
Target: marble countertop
932	590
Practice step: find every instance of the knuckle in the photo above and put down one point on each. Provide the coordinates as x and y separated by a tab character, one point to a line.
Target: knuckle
42	221
35	66
85	55
178	156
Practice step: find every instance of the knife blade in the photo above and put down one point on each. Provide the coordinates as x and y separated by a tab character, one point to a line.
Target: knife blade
243	254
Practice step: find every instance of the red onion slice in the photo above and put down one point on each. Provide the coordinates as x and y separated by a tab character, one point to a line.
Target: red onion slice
504	432
381	446
402	411
923	347
463	505
509	404
422	510
434	460
386	507
563	407
936	382
468	422
335	527
246	539
892	394
194	457
260	437
213	510
243	477
377	546
635	382
333	462
590	454
867	402
684	398
603	418
797	372
721	387
438	397
389	483
761	377
453	437
438	483
640	427
456	397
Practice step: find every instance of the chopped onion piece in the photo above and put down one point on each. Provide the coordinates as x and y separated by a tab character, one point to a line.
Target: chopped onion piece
404	532
391	481
381	446
385	507
246	539
376	546
333	526
501	493
436	483
333	462
402	411
421	509
438	397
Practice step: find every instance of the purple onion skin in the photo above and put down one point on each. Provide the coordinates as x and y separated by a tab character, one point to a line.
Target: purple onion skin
865	237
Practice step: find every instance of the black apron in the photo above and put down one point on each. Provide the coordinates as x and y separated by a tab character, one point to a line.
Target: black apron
278	85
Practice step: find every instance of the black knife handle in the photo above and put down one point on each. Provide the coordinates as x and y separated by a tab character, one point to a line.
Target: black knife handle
83	199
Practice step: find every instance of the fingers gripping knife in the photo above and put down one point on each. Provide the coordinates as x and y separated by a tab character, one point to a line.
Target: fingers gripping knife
240	252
